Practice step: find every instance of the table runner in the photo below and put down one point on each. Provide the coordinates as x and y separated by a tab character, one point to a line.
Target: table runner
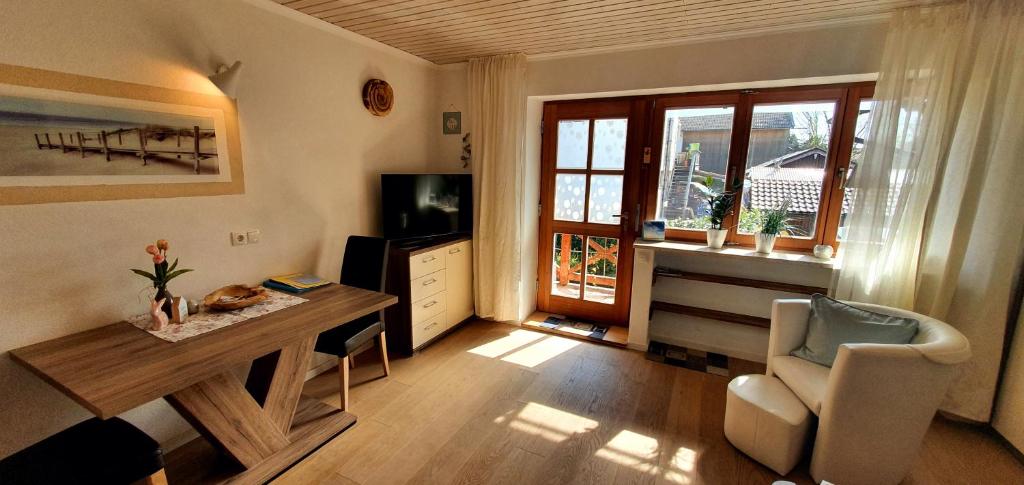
207	321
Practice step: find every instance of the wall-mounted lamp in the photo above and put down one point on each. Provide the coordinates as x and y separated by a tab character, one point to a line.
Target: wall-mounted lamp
226	78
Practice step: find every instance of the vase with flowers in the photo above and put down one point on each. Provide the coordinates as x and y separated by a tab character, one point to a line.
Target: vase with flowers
162	274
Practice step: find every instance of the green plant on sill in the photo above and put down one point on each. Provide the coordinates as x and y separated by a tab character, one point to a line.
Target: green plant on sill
719	203
775	221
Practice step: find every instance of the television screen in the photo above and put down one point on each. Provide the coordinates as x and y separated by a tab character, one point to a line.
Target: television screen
417	205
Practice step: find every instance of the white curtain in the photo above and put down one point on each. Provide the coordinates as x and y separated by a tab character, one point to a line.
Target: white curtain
937	224
497	107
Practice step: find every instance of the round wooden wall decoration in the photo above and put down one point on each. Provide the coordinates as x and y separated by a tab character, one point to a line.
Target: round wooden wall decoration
378	97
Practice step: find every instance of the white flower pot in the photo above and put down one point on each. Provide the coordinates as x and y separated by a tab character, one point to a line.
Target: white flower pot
716	238
764	242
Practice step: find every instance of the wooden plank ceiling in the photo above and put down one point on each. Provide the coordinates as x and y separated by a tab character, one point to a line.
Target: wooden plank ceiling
447	31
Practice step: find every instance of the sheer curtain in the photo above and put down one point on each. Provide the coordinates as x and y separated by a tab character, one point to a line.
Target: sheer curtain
938	221
497	107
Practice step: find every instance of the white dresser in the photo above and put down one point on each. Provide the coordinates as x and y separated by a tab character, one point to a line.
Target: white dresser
434	284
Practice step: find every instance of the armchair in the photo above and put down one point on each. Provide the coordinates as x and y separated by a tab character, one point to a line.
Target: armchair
876	402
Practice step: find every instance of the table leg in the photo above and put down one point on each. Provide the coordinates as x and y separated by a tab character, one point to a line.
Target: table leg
261	424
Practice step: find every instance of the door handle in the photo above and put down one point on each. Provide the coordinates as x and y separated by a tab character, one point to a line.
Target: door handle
456	250
429	259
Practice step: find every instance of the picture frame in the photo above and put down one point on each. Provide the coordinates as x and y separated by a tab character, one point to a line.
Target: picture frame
451	122
120	140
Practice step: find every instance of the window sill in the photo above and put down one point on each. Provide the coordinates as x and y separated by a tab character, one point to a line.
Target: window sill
779	256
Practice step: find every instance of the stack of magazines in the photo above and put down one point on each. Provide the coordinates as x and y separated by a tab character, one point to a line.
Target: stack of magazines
295	282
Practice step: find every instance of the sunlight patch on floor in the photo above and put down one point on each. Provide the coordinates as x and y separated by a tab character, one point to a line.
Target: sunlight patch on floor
682	466
549	423
633	450
504	345
540	352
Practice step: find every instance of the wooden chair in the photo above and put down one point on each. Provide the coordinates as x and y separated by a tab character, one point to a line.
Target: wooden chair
95	451
363	266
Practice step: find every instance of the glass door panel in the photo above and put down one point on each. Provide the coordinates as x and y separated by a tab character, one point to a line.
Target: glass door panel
602	263
587	188
566	264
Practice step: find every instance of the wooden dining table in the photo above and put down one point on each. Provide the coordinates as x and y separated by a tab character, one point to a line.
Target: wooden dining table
262	425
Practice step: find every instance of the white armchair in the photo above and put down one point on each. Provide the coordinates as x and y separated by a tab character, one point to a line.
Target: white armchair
876	402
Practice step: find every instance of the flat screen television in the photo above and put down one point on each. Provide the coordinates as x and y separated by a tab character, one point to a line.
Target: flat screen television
421	205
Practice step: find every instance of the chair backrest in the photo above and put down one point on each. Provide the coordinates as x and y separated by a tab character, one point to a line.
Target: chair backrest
365	262
937	341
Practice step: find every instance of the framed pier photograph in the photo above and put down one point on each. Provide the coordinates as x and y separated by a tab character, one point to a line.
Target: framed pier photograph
65	138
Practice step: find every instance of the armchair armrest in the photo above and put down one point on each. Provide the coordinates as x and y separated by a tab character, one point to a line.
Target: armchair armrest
789	328
877	408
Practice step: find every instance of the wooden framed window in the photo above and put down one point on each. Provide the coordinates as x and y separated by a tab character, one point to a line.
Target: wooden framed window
771	145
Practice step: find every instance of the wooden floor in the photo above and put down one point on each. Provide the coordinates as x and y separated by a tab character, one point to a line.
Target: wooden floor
494	403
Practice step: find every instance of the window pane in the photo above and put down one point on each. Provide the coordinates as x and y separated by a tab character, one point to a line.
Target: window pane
605	199
573	139
696	146
570	192
566	263
786	161
856	156
602	262
609	145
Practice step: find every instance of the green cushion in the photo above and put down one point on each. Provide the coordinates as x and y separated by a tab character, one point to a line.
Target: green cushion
833	323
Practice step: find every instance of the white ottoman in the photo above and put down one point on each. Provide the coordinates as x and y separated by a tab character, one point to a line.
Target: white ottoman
765	420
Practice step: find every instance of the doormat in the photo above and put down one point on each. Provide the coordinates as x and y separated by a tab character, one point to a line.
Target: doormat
575	327
698	360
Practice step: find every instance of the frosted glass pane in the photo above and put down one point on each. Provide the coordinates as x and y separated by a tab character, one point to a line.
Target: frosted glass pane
573	138
609	144
570	192
605	199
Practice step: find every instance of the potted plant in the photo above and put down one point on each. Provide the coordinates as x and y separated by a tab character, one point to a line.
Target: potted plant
162	273
773	222
719	207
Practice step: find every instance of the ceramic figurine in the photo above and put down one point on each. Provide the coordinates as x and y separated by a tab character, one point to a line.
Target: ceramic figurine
159	318
193	307
823	251
180	310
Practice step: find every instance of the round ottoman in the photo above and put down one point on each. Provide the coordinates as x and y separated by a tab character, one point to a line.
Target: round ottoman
765	420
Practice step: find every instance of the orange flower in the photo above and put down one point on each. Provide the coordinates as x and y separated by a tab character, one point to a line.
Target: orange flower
161	244
151	249
158	258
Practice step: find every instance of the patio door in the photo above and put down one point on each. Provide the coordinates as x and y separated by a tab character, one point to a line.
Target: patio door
591	153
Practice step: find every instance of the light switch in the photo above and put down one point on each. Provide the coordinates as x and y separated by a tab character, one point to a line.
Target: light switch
253	236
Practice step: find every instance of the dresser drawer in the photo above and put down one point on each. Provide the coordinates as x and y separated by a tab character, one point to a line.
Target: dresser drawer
428	307
425	263
426	330
428	285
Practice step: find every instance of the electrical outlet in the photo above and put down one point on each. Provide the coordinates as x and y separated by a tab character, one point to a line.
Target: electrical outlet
253	236
239	239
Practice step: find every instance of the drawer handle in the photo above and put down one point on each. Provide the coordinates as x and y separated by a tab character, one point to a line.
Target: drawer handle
432	303
432	325
429	258
456	250
429	282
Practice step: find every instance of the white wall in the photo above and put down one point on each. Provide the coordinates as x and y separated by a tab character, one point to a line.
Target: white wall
828	54
311	154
